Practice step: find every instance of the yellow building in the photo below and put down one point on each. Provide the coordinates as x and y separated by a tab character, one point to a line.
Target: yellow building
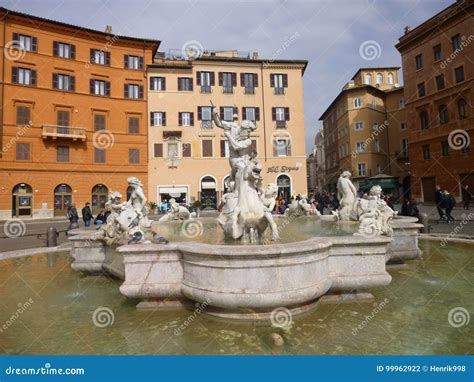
365	131
188	154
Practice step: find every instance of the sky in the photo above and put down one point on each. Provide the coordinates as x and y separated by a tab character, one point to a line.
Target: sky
337	37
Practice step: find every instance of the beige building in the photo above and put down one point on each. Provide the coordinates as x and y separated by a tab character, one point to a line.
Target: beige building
365	131
188	154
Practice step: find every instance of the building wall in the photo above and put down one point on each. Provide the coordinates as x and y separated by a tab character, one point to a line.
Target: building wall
42	171
188	172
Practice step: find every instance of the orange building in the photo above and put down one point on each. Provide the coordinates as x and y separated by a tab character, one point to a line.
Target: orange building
73	114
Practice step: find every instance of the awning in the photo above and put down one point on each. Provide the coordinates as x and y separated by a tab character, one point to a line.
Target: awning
383	185
208	185
172	190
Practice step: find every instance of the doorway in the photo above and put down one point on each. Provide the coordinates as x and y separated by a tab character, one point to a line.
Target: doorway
62	199
22	200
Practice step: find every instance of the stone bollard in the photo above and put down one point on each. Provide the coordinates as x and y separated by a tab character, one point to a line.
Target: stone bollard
51	237
425	222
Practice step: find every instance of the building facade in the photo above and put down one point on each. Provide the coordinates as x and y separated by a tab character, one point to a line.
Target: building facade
188	153
365	130
73	116
438	70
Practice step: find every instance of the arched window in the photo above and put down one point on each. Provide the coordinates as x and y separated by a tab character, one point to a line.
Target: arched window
368	79
100	195
22	200
208	193
424	119
462	109
390	78
357	102
443	115
62	199
379	78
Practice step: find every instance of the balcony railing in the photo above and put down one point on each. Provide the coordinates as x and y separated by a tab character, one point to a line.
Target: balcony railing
249	90
281	124
279	91
206	89
206	124
55	131
228	89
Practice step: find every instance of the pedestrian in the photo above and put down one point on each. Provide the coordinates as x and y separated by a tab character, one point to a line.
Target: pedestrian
449	202
73	217
466	197
413	209
100	218
439	197
405	210
87	215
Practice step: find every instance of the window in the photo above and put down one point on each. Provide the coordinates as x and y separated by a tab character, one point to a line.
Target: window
99	57
357	102
424	120
379	78
249	81
444	148
419	62
227	113
206	148
404	151
133	91
133	156
186	119
206	81
186	150
62	154
99	155
185	84
282	148
462	109
426	152
133	125
158	118
403	126
204	115
377	146
99	122
61	49
24	42
390	79
22	151
23	76
63	118
224	149
279	82
23	115
359	125
158	150
379	168
172	150
421	89
63	82
443	115
360	147
280	115
401	103
440	82
361	169
459	74
157	83
368	79
132	62
99	87
251	113
227	81
437	52
456	42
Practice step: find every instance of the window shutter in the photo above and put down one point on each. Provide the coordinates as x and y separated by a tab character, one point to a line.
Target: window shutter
34	44
285	80
222	148
163	118
191	84
191	119
199	113
257	114
186	150
244	114
198	78
152	83
272	80
255	80
107	88
221	112
14	75
212	78
140	91
125	90
91	86
55	81
236	110
164	83
33	77
180	84
234	79
107	58
287	113
125	61
274	114
275	144
221	78
152	120
158	150
92	56
180	119
55	48
242	79
15	37
140	62
73	51
288	148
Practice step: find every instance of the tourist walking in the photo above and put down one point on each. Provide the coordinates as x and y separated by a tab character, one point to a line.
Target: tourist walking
87	215
439	197
73	217
449	202
466	197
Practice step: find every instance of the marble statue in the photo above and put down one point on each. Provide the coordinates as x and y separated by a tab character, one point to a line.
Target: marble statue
244	215
177	212
346	194
301	208
269	201
113	206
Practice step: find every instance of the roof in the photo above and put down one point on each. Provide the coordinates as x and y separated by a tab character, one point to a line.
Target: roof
7	12
376	68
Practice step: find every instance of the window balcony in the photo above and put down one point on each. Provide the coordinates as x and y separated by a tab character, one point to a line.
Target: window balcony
281	124
68	132
249	90
279	91
206	89
228	89
206	124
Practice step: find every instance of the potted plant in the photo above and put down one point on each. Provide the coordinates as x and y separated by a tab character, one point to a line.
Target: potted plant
152	206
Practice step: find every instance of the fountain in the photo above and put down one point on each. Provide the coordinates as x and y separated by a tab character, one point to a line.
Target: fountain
259	264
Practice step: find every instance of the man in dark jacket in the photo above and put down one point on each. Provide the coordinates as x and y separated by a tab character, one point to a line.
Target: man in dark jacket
87	215
449	202
439	197
466	197
73	217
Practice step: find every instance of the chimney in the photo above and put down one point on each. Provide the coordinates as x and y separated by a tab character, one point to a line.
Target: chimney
108	29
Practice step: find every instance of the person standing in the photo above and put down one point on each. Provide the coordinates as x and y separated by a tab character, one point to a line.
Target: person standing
87	215
449	203
73	217
466	197
439	198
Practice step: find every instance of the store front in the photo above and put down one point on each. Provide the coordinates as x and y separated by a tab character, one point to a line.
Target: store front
208	195
22	200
